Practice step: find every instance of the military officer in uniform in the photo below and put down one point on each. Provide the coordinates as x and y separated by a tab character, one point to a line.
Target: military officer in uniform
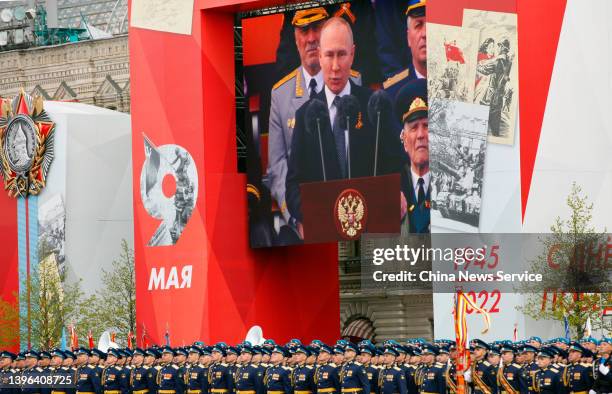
277	378
327	376
220	376
482	374
150	358
88	375
391	378
577	376
196	374
547	379
138	380
366	352
353	376
432	376
168	378
417	42
114	378
509	377
303	375
7	371
248	378
31	370
529	368
602	367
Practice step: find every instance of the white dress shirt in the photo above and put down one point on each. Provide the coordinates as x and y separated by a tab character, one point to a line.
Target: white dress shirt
318	77
415	182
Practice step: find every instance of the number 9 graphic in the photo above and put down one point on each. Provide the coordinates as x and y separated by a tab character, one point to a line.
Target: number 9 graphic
168	189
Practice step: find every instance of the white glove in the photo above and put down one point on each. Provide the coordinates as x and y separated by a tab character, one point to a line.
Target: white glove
467	375
603	369
592	392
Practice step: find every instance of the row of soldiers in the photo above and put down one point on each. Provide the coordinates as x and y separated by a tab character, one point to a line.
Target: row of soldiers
532	366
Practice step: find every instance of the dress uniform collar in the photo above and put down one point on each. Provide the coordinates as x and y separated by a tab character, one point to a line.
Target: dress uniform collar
317	77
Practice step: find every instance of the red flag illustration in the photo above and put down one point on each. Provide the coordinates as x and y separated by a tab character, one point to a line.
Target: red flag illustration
74	339
129	340
453	53
91	341
145	343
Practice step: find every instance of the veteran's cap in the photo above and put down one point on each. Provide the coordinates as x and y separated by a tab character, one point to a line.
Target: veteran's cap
411	101
416	8
303	18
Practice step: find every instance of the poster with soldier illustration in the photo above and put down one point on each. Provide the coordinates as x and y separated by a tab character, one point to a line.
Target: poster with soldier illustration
451	62
457	148
496	84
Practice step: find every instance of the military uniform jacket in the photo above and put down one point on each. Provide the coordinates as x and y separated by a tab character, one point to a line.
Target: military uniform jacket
169	379
410	371
578	377
433	378
372	373
5	374
603	383
451	378
392	380
548	381
89	379
196	379
249	378
152	377
353	376
70	374
33	372
278	378
115	379
302	379
510	379
220	378
484	378
327	378
528	372
139	383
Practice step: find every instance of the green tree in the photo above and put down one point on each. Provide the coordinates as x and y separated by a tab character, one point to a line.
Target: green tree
116	301
53	305
9	321
576	284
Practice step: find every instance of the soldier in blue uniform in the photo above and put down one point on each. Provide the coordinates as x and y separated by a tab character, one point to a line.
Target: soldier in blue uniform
302	377
432	376
88	375
366	352
31	370
509	377
220	377
327	377
602	367
150	358
548	379
353	376
196	374
577	376
139	383
248	378
529	368
7	371
168	379
413	368
391	378
482	373
114	378
277	379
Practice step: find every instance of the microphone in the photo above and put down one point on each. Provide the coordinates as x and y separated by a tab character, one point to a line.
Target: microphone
379	107
348	110
316	113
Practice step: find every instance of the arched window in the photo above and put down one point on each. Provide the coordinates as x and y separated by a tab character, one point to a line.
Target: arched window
359	328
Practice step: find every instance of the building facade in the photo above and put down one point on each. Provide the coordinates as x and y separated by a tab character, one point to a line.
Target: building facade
93	72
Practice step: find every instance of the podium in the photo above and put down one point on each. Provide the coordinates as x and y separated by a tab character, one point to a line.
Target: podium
344	209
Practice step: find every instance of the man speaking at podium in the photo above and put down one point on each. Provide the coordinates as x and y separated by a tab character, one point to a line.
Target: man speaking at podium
331	157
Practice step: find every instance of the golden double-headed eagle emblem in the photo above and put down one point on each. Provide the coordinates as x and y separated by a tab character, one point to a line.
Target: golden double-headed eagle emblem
350	214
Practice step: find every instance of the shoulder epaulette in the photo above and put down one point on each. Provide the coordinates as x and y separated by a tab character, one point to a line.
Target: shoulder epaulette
39	369
396	78
146	366
286	368
224	364
309	366
174	366
516	365
357	363
158	367
555	370
91	366
439	365
586	365
332	365
287	77
486	363
355	74
397	368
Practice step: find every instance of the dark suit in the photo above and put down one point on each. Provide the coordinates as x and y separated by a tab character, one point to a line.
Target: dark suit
418	216
305	159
